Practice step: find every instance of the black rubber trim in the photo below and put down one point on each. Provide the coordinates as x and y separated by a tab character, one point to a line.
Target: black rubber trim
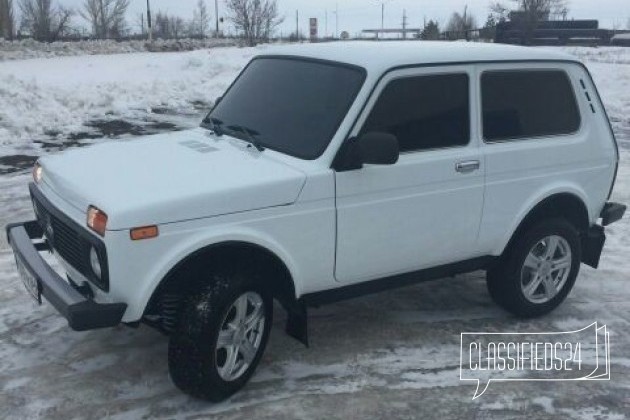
612	212
82	313
592	245
379	285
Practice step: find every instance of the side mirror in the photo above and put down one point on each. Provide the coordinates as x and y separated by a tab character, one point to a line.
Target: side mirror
373	148
378	148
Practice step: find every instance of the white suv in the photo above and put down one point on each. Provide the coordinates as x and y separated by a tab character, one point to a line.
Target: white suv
328	171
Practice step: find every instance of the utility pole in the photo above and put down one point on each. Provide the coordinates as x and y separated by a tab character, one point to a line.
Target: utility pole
216	13
326	33
336	20
297	25
466	22
382	15
404	23
382	19
150	25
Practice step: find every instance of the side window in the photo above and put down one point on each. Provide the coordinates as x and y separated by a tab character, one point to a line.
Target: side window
424	112
521	104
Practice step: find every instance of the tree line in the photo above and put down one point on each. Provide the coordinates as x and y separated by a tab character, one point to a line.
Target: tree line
254	20
50	20
530	12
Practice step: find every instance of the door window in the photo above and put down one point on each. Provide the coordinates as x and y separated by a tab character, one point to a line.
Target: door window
424	112
524	104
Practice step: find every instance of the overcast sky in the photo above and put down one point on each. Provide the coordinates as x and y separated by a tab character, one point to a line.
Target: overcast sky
355	15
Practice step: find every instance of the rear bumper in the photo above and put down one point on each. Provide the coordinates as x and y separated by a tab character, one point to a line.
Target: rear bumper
81	311
594	238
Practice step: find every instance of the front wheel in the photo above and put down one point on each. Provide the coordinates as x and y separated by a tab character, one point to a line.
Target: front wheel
221	336
539	270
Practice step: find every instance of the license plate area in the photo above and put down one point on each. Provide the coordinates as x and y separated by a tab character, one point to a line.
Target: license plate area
31	283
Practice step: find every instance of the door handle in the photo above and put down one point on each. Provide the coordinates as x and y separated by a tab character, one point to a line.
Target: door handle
467	166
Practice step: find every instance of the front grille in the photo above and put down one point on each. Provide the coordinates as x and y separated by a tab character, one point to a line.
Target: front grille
69	241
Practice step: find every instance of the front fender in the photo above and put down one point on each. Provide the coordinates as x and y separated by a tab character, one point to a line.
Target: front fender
138	273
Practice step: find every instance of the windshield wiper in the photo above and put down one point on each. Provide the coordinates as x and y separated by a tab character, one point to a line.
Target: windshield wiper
250	134
213	124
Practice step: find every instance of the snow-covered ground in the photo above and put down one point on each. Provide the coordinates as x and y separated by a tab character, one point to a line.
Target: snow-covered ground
29	48
48	100
395	354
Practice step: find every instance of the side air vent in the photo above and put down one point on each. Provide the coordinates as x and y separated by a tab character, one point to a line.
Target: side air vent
198	146
588	97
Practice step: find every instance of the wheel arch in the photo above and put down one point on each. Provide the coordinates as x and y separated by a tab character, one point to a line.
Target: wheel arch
568	204
173	281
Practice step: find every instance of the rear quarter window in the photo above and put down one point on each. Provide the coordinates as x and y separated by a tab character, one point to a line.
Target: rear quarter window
521	104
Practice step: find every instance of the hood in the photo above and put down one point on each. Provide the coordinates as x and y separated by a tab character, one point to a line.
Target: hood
171	177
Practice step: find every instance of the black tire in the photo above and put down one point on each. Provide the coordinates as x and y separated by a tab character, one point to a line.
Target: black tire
504	279
192	352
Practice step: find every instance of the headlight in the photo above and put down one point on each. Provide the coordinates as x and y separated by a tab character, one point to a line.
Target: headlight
95	263
97	220
38	171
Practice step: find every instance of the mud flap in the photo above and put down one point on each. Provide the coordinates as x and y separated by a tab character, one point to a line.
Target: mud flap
592	245
297	326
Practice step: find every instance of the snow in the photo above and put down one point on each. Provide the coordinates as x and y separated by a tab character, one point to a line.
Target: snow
395	354
29	48
61	95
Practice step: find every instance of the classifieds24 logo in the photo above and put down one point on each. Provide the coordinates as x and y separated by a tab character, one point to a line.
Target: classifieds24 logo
579	355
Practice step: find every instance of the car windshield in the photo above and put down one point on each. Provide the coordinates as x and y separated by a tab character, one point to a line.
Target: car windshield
293	106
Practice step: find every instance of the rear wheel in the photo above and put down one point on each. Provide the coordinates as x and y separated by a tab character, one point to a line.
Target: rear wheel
539	270
221	336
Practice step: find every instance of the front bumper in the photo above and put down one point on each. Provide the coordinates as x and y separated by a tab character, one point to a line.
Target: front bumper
81	311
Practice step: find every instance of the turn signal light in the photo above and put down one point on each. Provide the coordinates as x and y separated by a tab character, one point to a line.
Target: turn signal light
145	232
97	220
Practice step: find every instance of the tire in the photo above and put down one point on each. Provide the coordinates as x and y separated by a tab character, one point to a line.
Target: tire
527	281
197	361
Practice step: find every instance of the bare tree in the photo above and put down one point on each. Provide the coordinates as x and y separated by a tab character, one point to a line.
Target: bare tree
44	21
543	9
177	26
529	12
201	20
459	26
161	26
499	12
168	27
255	19
431	31
107	17
140	21
7	19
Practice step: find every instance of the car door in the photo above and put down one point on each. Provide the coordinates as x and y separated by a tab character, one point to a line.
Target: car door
425	210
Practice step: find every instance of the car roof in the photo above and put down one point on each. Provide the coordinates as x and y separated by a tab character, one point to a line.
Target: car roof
382	56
